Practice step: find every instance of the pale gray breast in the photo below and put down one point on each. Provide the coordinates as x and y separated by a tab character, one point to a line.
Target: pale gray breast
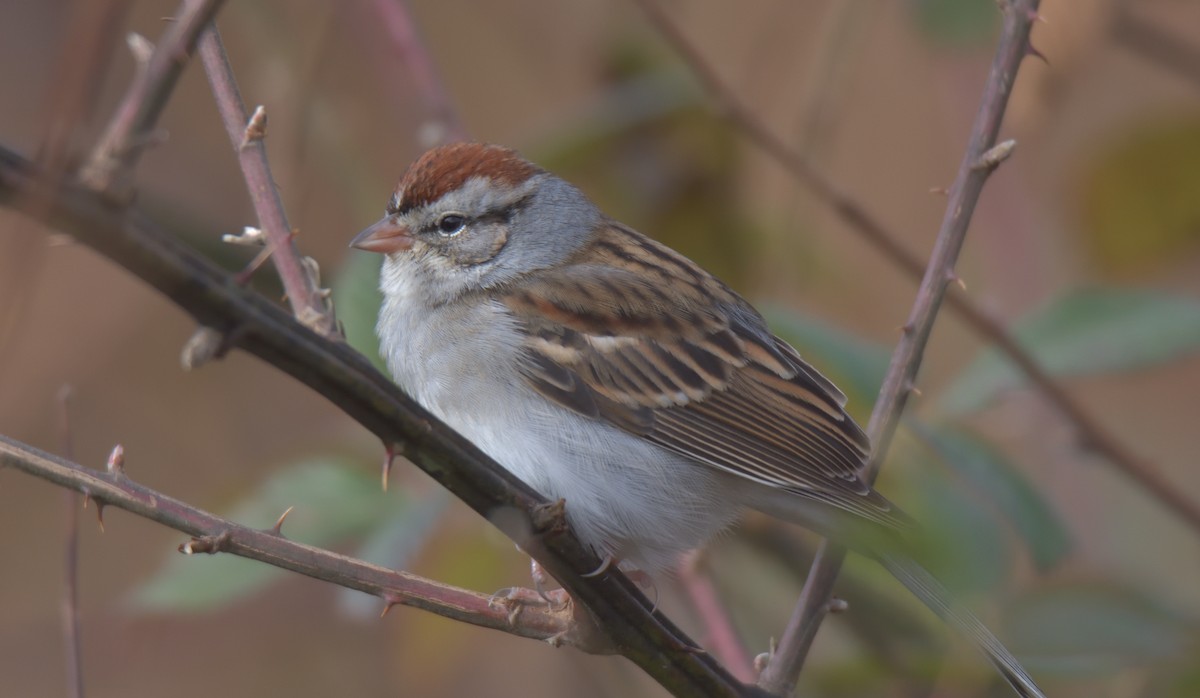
452	357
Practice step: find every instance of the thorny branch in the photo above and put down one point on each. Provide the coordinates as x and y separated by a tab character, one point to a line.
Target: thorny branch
981	158
1093	435
97	214
111	166
212	534
347	379
308	302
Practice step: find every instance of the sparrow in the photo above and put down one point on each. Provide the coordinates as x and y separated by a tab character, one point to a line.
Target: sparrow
608	370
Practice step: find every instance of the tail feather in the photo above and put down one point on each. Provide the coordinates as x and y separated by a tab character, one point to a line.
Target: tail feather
923	585
887	545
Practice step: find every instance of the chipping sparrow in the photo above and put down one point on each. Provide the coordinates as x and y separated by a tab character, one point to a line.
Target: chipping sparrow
603	368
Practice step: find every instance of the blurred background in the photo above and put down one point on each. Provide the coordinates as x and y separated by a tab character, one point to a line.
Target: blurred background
1086	243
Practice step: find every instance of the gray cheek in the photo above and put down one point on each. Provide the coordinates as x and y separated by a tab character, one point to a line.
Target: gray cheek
478	245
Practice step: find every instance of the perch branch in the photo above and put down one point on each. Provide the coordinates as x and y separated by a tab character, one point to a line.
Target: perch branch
981	158
347	379
1092	434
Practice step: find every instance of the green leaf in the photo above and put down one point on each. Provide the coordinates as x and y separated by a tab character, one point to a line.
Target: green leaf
332	501
356	298
993	476
1087	331
963	545
1091	631
856	365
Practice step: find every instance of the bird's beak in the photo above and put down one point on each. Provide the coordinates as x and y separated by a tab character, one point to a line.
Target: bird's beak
385	237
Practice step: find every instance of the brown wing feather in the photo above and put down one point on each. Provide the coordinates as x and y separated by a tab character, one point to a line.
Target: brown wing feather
694	370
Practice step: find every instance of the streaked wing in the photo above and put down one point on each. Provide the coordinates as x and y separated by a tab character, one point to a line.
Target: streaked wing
636	334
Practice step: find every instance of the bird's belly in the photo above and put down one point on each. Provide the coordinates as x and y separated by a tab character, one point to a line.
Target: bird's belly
624	495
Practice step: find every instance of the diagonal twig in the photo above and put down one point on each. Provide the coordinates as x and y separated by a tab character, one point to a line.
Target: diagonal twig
348	380
718	626
1151	42
110	168
981	158
84	51
1093	435
305	298
212	534
444	125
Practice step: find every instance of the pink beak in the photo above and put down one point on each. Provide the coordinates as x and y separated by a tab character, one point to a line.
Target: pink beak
384	237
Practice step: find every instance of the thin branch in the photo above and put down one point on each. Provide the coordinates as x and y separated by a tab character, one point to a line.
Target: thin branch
445	125
70	600
720	634
85	48
212	534
347	379
307	302
1156	45
111	166
1091	433
981	158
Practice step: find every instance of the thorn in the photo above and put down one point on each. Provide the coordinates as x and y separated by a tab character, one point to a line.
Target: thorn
954	278
390	600
912	388
1033	16
1031	50
116	461
940	191
256	127
837	605
995	155
389	456
277	529
100	514
906	328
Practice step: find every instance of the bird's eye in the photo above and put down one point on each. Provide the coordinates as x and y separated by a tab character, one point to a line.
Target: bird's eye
451	224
